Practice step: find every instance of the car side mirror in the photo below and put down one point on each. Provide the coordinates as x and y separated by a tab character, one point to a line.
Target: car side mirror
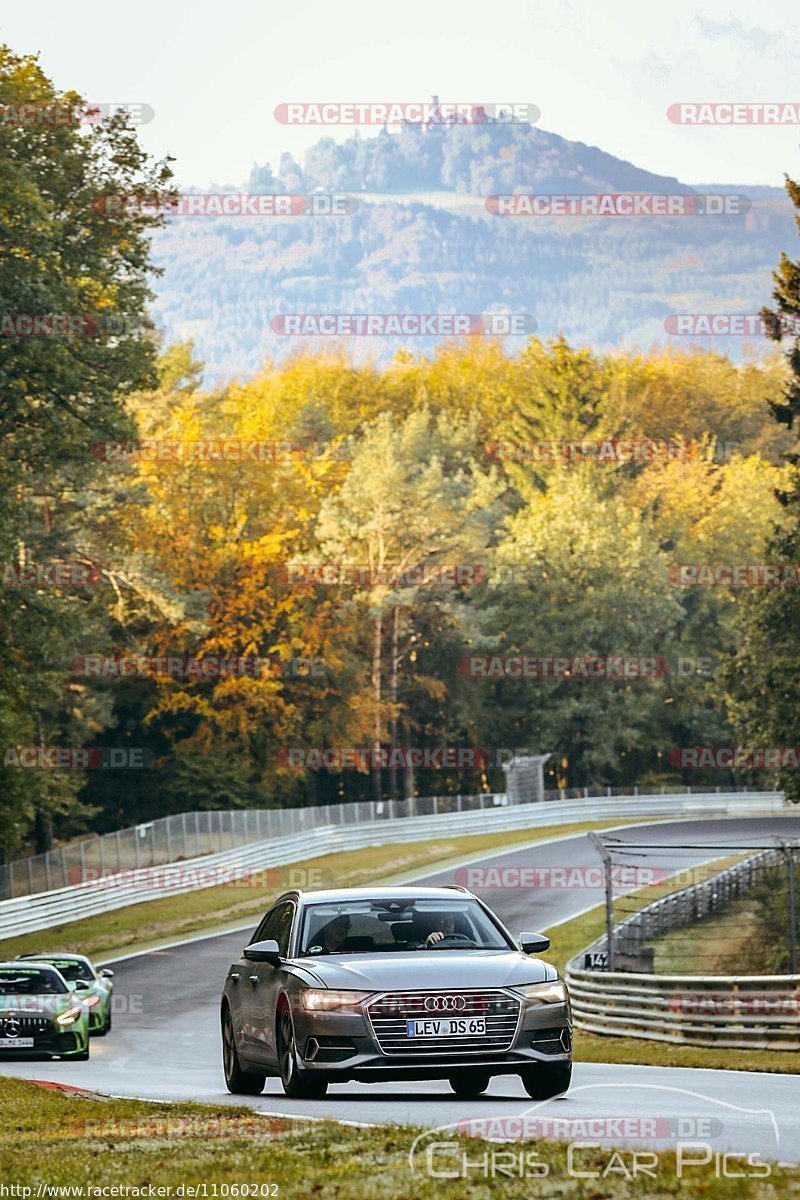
267	951
82	984
105	973
534	943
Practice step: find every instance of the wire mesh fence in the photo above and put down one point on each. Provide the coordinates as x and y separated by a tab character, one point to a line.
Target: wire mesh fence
721	907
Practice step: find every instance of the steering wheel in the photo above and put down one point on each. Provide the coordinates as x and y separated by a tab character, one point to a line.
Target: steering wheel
452	937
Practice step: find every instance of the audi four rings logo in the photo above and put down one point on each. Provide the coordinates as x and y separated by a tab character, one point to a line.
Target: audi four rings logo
445	1003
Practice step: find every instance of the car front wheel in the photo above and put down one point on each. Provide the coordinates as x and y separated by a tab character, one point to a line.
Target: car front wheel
297	1084
470	1083
542	1083
237	1081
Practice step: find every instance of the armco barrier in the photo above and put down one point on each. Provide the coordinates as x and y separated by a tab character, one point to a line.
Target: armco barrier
58	907
758	1012
190	834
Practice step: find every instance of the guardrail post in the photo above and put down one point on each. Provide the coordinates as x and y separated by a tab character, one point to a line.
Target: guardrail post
787	850
602	850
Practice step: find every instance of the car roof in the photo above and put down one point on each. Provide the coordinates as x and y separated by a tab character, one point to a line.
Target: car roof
380	893
18	963
68	956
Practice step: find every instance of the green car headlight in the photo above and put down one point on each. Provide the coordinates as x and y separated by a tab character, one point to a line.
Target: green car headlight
328	1000
544	993
71	1015
90	1001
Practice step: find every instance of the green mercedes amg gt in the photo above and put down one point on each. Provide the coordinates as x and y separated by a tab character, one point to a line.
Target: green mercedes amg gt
40	1014
94	987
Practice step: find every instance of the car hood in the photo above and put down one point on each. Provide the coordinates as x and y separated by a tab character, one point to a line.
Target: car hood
35	1005
440	970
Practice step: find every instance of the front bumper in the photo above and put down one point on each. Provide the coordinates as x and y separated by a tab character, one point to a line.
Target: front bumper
49	1044
345	1046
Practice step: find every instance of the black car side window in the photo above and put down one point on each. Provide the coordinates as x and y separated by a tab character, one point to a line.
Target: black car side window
266	929
277	926
283	932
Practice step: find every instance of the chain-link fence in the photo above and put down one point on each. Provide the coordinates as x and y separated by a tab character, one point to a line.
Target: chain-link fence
705	908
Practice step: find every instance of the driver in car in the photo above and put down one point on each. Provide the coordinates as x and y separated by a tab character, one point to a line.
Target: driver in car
425	936
330	937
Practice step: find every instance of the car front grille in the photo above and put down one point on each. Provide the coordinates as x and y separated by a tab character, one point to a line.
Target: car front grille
390	1013
23	1026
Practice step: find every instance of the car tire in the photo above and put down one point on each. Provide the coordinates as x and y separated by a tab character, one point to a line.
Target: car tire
104	1028
237	1081
471	1082
297	1084
542	1083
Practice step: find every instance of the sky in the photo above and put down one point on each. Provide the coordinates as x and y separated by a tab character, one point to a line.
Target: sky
603	74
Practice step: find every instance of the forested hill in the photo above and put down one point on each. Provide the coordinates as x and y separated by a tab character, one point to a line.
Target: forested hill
421	241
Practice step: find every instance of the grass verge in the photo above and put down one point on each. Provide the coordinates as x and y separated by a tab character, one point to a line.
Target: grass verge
141	926
49	1139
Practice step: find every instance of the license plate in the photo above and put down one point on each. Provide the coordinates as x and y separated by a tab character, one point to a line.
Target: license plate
447	1027
15	1043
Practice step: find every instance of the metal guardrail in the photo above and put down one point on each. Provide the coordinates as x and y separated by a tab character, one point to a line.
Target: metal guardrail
759	1012
191	834
63	905
736	1012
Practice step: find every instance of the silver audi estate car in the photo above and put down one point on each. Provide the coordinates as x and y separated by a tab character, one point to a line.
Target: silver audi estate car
393	983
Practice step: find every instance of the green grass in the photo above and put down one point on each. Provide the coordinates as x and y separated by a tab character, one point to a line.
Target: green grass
140	926
719	945
49	1138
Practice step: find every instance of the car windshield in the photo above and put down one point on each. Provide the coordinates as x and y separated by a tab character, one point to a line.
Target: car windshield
30	981
72	970
389	926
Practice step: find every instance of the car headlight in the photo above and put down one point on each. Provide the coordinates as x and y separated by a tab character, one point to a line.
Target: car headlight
544	993
90	1001
328	1000
71	1015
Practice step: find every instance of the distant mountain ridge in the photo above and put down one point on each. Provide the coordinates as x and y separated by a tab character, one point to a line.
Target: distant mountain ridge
603	282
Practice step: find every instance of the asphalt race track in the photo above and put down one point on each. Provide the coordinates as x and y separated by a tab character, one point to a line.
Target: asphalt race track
167	1045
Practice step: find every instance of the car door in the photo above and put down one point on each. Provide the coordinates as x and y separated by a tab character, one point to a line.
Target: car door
264	981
